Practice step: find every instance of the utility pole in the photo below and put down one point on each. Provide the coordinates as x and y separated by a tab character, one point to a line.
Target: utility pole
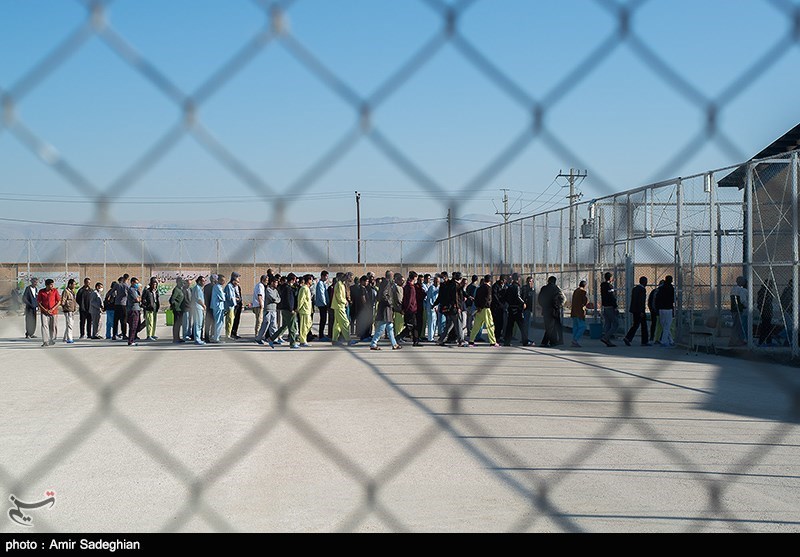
505	213
358	224
573	198
449	236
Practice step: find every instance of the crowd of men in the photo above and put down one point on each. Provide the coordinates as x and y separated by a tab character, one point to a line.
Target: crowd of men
442	308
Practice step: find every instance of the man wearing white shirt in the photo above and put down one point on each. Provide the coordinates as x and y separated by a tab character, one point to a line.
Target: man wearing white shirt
258	302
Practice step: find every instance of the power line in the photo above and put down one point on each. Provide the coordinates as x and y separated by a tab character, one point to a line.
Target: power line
276	228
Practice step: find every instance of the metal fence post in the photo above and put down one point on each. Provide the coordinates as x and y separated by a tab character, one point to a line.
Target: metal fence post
217	255
254	261
66	257
29	260
679	257
105	280
749	256
713	257
142	271
795	258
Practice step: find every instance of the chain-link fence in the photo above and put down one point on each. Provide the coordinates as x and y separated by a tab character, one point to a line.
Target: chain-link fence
703	234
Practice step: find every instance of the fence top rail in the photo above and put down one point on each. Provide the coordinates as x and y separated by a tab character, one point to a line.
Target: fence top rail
784	157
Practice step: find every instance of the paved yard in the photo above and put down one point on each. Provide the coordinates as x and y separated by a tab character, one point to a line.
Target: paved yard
166	437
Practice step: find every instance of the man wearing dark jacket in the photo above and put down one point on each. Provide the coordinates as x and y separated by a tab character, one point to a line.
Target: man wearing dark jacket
176	305
150	306
638	309
410	308
498	306
551	300
288	308
449	306
665	304
84	300
651	305
608	298
121	308
516	305
483	315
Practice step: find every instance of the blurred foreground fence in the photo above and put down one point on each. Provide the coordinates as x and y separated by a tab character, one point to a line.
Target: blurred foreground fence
705	230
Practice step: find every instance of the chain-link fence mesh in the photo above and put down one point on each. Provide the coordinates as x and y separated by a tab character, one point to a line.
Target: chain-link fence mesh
690	228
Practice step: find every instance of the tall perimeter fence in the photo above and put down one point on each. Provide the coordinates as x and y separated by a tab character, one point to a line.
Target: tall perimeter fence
106	259
702	233
705	230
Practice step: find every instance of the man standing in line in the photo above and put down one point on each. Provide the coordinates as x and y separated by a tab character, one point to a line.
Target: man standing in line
109	303
304	308
150	305
230	306
430	309
387	302
218	307
739	310
483	315
498	306
133	309
651	305
552	299
608	298
176	304
449	304
257	303
528	294
410	307
638	310
186	308
423	283
31	305
371	297
357	297
665	304
48	300
322	302
121	308
69	305
516	305
270	323
210	322
199	309
239	305
288	309
95	309
84	300
578	313
339	303
472	289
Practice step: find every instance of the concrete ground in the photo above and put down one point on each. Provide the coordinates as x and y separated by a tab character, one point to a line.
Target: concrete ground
240	437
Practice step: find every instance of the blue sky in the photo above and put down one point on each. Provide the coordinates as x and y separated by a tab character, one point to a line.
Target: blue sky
621	119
